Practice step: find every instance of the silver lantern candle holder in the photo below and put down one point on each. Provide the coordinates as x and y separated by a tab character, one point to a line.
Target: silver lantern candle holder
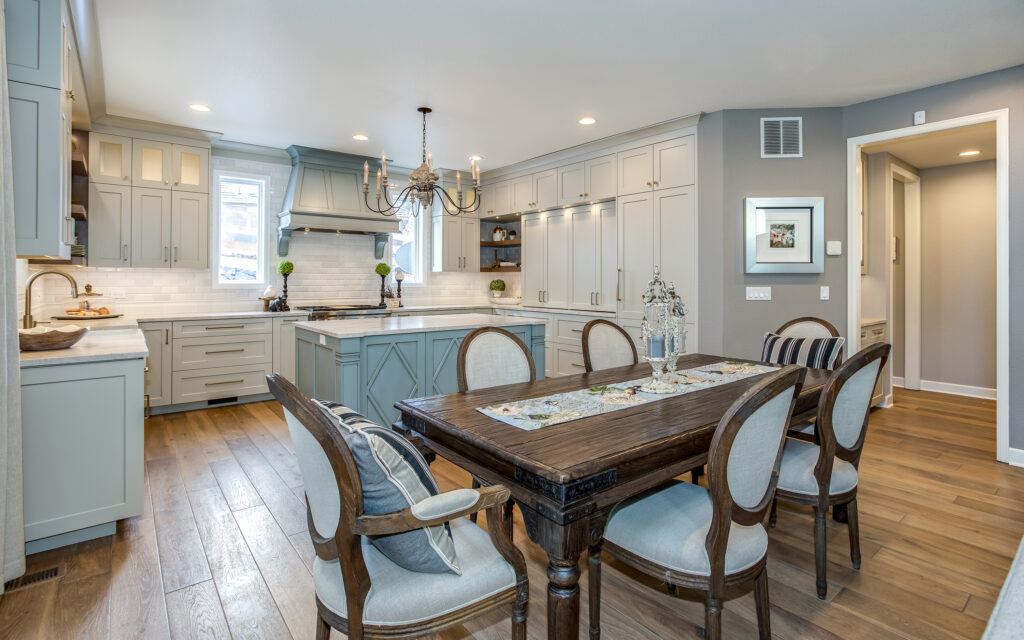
657	334
677	345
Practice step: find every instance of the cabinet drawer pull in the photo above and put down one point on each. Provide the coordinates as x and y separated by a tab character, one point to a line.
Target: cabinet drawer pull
213	384
167	336
618	278
225	351
293	320
234	326
175	254
655	183
167	255
577	330
648	184
577	365
124	252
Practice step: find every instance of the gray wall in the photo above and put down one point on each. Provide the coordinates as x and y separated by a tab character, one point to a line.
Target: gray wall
733	170
958	274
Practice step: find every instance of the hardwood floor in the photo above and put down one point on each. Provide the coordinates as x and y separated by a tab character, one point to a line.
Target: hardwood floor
221	549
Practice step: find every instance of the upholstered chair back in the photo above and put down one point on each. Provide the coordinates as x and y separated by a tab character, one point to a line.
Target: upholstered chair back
607	345
490	357
752	457
846	401
808	328
317	477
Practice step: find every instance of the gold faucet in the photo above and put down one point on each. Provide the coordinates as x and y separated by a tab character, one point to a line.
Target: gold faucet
27	322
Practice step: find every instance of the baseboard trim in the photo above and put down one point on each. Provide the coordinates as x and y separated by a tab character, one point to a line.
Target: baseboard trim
954	389
1015	457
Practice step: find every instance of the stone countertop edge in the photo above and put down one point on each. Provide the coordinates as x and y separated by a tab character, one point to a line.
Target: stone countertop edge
95	346
361	328
567	312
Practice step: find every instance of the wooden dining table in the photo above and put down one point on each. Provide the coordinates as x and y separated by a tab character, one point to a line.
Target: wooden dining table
567	477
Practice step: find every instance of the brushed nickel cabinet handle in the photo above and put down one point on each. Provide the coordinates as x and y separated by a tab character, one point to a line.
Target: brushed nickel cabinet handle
577	330
225	351
124	252
618	278
175	254
213	384
597	298
167	251
575	364
167	336
292	320
234	326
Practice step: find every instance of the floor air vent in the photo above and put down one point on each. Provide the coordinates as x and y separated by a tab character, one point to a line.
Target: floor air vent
782	138
32	579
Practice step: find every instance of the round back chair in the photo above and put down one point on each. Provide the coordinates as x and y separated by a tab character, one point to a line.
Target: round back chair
490	357
811	327
607	345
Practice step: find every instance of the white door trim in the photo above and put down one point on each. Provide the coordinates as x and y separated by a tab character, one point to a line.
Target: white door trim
1002	119
912	281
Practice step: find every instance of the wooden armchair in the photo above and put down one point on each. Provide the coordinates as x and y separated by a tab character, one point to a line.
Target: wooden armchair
401	603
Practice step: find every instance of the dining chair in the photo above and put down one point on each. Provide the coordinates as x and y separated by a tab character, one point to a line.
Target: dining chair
607	345
360	590
710	539
490	357
825	474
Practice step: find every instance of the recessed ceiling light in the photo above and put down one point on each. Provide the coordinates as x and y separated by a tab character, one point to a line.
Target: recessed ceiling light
970	152
361	137
199	107
476	158
588	120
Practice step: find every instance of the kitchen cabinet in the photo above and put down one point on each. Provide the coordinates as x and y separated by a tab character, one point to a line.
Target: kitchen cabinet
593	254
663	165
572	183
158	364
545	255
495	199
455	243
533	251
36	31
110	159
545	189
190	230
110	225
151	228
191	168
284	347
600	178
151	164
521	193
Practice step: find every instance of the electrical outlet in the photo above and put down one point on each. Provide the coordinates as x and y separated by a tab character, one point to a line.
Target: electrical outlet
759	293
919	117
824	293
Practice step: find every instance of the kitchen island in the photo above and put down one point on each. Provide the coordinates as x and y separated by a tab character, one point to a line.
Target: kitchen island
369	364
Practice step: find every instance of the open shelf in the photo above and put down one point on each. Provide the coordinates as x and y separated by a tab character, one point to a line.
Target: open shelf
500	269
501	243
78	166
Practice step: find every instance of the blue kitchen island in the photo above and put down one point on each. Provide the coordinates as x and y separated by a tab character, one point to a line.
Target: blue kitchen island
369	364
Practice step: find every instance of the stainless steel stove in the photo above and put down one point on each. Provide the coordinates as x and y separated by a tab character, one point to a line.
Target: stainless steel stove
336	312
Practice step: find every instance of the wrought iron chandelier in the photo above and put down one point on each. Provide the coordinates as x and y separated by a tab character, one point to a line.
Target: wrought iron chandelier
422	186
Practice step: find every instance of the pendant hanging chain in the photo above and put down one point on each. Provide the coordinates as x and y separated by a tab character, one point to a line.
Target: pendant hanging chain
424	136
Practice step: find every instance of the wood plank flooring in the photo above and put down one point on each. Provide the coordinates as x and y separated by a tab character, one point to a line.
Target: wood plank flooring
221	549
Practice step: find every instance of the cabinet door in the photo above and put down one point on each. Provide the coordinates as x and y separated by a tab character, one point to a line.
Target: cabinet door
533	253
151	227
673	163
451	234
495	199
191	168
110	159
151	164
522	194
607	254
158	364
471	245
636	225
34	30
545	189
556	260
600	178
572	183
284	351
110	225
636	168
190	230
584	257
675	213
568	360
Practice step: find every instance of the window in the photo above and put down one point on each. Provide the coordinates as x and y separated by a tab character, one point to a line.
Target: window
407	245
238	253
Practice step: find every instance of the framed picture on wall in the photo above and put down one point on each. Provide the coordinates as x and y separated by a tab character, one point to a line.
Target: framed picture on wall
785	235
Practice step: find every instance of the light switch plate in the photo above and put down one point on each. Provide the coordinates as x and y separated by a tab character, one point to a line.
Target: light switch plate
919	117
834	248
824	293
759	293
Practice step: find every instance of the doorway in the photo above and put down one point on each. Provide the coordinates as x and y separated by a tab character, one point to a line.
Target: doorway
903	253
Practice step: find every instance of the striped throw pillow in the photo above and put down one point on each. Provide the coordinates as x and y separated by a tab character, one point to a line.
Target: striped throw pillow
395	476
817	353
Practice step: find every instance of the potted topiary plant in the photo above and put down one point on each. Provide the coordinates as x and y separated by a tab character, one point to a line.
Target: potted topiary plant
285	268
497	288
382	270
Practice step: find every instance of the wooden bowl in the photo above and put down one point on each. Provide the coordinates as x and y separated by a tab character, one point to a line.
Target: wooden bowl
50	338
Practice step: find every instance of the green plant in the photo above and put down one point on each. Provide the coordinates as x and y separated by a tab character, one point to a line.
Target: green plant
285	267
382	269
497	285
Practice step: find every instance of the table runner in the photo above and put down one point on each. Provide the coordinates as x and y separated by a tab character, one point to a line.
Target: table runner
545	411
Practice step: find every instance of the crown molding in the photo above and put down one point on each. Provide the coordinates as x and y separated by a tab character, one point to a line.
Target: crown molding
114	124
253	152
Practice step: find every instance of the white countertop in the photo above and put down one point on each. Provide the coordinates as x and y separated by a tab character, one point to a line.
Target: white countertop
569	312
361	327
95	346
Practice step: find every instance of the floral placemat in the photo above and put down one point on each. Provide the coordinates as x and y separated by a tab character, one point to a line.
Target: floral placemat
536	413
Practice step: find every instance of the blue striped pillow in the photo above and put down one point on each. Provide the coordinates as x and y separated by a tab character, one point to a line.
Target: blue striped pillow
817	353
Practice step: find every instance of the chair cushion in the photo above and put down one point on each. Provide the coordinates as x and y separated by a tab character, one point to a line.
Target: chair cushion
668	526
394	476
399	596
796	474
818	353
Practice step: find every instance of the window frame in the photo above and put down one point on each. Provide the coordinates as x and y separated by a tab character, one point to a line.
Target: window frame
215	220
421	240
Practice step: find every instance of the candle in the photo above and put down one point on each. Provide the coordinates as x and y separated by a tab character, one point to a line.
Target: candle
430	161
366	173
656	347
378	182
384	165
458	182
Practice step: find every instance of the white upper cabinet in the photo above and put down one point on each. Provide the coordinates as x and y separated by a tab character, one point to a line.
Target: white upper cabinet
151	228
607	260
456	243
110	225
190	230
36	30
572	183
675	212
585	260
470	244
600	178
151	164
636	252
636	169
495	199
545	189
110	159
191	167
534	250
558	230
521	190
673	163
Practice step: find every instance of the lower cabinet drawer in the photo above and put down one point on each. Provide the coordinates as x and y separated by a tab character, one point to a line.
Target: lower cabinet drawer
236	327
871	334
223	382
571	330
222	351
568	361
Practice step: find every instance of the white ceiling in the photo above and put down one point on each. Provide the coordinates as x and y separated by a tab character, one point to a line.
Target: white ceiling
509	80
943	147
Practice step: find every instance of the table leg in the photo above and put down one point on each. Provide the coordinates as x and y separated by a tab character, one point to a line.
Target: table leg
564	543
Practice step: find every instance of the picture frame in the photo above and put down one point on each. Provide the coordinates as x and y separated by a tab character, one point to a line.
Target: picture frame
785	235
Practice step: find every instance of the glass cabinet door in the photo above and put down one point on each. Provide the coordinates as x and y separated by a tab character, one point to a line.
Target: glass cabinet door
151	164
191	169
110	159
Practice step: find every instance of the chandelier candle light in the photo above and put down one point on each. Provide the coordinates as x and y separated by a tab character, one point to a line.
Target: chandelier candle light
661	337
422	186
